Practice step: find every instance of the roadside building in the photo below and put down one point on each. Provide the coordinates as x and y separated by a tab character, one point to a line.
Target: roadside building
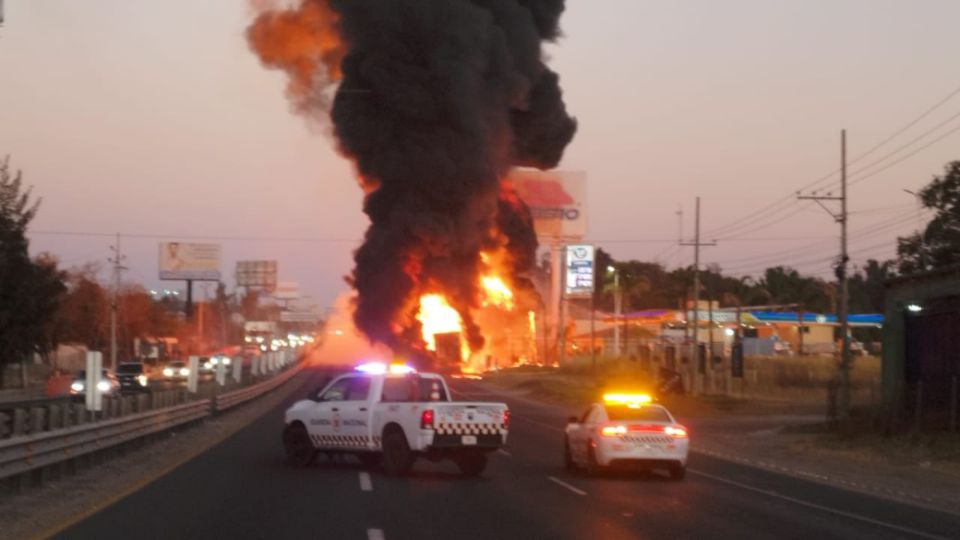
921	349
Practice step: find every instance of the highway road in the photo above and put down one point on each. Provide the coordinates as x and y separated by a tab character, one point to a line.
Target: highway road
242	489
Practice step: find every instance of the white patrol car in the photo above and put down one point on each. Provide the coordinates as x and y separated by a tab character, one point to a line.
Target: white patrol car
393	415
626	430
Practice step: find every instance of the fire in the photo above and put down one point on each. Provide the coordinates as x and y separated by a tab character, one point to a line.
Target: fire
437	317
496	292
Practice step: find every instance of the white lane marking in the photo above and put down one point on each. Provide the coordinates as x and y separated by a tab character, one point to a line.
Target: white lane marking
504	452
375	534
566	485
551	427
815	506
365	483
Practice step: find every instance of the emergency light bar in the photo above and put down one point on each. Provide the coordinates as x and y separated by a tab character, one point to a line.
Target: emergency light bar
630	400
379	368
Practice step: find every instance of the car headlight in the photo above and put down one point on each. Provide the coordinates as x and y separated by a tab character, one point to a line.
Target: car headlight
184	371
142	379
103	386
167	372
226	361
77	386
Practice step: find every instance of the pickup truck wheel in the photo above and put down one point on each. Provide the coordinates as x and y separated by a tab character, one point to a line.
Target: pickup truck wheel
472	463
397	457
299	449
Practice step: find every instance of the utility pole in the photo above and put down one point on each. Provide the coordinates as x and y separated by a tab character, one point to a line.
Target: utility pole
697	244
843	408
117	261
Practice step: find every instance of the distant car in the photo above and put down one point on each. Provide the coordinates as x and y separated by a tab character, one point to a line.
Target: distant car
210	364
133	378
626	431
108	386
175	371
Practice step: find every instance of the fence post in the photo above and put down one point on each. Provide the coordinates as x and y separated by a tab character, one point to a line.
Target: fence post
19	422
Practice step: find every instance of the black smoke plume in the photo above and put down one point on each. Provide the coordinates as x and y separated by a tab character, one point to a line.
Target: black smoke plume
437	100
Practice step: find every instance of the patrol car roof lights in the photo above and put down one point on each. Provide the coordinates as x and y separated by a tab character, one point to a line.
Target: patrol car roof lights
630	400
380	368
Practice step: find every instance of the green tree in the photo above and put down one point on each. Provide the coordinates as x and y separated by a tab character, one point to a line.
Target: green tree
30	290
866	286
938	245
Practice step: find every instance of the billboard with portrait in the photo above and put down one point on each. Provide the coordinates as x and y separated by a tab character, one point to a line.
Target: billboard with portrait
183	261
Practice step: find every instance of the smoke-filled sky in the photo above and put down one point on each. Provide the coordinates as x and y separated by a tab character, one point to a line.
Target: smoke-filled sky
154	119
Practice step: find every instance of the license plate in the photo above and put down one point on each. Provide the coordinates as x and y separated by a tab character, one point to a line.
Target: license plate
468	440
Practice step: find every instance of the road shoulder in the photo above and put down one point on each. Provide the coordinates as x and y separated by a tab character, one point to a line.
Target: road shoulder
42	512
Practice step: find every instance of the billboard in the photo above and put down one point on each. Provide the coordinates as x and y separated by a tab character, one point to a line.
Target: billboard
579	271
182	261
257	274
557	201
287	290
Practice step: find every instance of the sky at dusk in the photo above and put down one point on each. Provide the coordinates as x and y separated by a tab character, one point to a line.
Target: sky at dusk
154	120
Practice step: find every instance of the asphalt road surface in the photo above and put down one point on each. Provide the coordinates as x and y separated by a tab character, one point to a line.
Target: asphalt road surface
242	489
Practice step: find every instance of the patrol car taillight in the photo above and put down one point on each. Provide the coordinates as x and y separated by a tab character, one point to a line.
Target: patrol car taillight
613	431
677	432
506	418
426	419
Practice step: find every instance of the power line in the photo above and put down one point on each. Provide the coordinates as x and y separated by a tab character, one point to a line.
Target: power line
198	237
789	198
908	156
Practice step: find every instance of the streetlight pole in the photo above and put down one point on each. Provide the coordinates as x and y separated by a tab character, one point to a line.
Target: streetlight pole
617	309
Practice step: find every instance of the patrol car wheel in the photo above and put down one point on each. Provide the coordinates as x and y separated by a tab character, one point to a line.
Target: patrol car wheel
397	457
472	463
677	472
567	458
296	442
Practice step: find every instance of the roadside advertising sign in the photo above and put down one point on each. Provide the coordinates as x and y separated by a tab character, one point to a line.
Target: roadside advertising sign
257	275
183	261
579	274
557	201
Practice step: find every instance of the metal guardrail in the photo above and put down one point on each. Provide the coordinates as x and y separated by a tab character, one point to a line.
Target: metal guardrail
227	400
22	454
25	453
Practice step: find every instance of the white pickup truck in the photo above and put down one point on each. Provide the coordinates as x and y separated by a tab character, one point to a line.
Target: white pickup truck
393	415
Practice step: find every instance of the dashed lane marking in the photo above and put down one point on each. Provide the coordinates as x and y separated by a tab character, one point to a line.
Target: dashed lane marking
375	534
857	517
559	482
504	452
365	483
551	427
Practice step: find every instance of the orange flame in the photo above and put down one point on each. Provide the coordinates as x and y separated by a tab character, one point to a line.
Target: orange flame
496	292
437	317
